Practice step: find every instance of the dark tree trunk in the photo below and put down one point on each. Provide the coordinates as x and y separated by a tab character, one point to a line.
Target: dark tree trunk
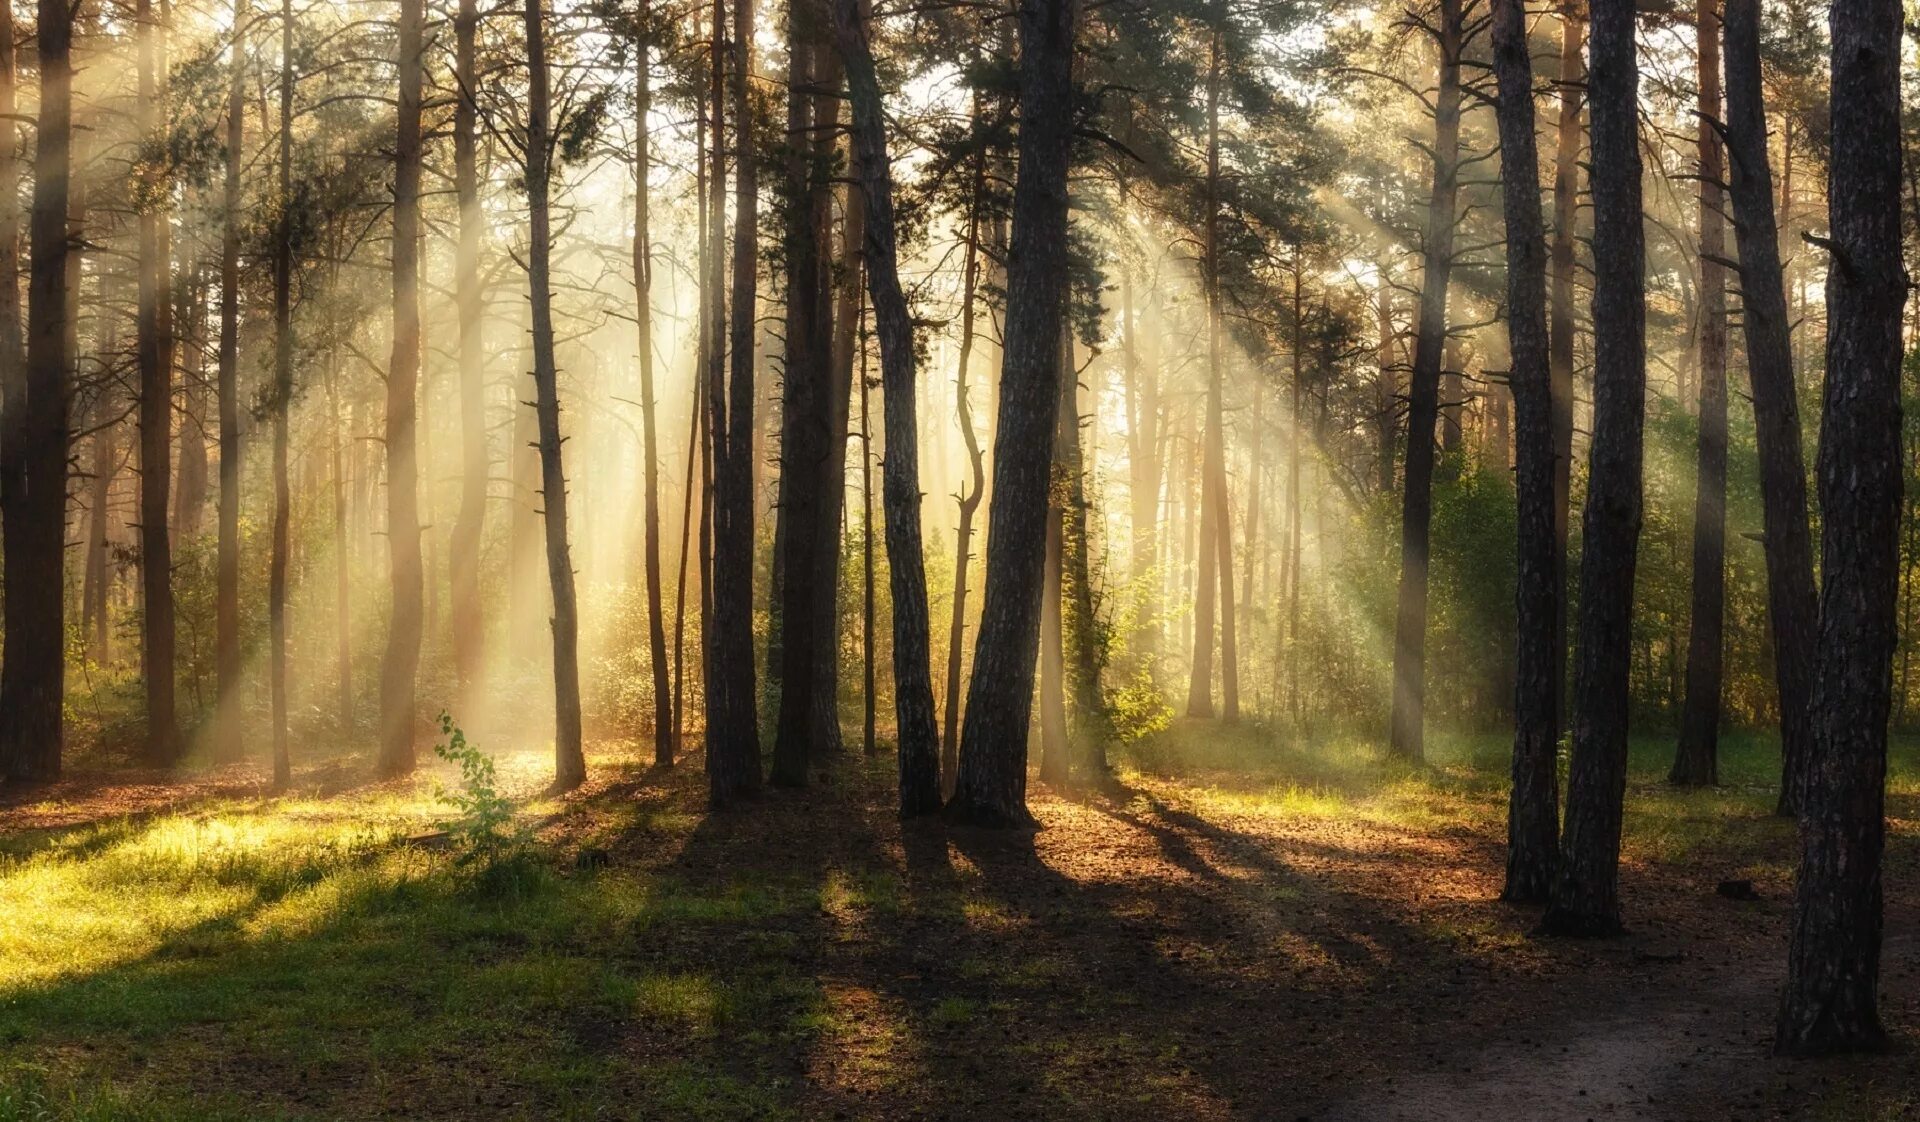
400	669
190	476
900	483
733	740
1416	511
1563	267
226	722
1215	578
868	743
1055	767
992	783
569	759
463	546
1792	602
1833	958
282	405
153	358
1585	898
665	733
1083	658
970	493
1533	818
1695	764
1386	393
33	666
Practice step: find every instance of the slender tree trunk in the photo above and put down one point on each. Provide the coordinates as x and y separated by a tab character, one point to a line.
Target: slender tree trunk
1792	602
1083	659
97	577
1695	764
282	406
342	553
1387	393
1416	513
1563	267
226	728
1055	768
569	760
1585	897
900	484
399	671
1212	577
1833	958
163	743
970	493
190	478
463	547
991	789
665	730
867	691
1533	819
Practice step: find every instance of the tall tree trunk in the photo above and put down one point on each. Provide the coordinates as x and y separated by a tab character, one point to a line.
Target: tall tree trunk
1416	512
733	740
399	671
163	743
900	484
1386	391
1533	819
98	577
1144	466
1082	656
342	552
1695	764
867	690
1585	897
1833	957
226	722
282	405
1055	767
569	759
190	479
463	547
665	733
1213	578
1563	267
33	666
970	492
992	783
1792	602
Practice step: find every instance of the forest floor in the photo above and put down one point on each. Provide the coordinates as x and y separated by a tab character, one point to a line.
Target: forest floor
1236	927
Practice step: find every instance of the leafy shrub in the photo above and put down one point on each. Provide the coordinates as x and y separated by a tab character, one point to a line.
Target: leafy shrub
482	829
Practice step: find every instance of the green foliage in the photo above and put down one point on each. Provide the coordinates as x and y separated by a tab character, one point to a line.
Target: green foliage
483	828
1137	709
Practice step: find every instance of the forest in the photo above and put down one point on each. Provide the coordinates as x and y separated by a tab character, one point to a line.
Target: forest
1323	559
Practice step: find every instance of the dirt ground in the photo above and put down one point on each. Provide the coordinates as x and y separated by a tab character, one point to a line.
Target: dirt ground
1147	953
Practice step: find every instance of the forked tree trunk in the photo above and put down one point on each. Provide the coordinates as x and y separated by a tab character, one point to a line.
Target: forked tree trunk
1533	804
1695	764
991	789
1792	602
1833	958
1585	897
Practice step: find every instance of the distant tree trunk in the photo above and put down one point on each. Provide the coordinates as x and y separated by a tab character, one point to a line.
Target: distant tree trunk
1144	464
912	669
463	546
1792	602
1386	393
1083	658
399	671
282	405
342	553
1055	767
1833	958
190	480
970	493
1563	267
1585	897
1214	578
1533	805
569	760
163	743
733	741
226	725
1695	764
665	730
991	789
1416	512
868	742
33	666
97	577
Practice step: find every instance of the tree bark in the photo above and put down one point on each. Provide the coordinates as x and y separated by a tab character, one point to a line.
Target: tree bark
972	491
1561	326
463	546
282	405
992	783
665	732
1792	601
227	745
1585	897
1695	763
153	358
900	483
1533	803
1215	578
1416	512
1833	957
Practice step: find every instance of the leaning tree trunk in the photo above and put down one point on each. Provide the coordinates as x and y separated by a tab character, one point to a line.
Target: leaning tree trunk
1533	805
1563	267
1792	602
569	760
163	743
900	481
1695	764
1585	897
33	666
282	402
665	735
226	711
1833	957
1423	399
992	783
399	672
463	546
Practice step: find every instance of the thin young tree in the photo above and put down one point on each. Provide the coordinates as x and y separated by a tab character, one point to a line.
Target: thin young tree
463	545
1563	266
282	405
665	735
227	746
1585	898
992	778
1830	1003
